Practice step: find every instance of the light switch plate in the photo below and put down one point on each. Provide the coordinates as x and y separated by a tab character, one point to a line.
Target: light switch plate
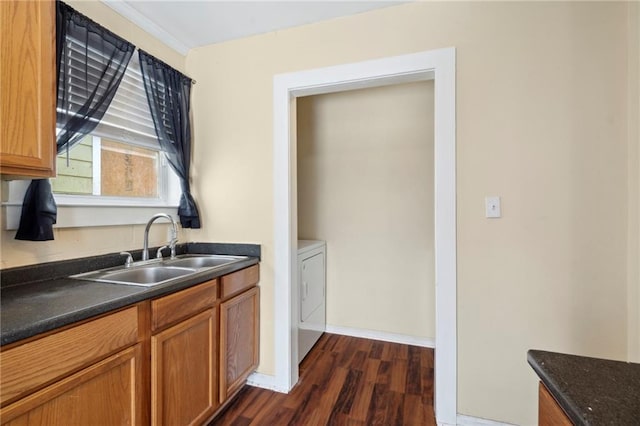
492	207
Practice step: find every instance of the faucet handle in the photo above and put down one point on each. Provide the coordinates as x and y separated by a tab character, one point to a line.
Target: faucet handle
159	252
129	261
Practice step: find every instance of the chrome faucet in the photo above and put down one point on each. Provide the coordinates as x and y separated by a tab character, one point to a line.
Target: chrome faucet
174	235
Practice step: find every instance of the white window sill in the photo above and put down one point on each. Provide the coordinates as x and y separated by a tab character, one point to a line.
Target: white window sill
86	216
80	212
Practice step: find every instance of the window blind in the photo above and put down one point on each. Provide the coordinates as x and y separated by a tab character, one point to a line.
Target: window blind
128	118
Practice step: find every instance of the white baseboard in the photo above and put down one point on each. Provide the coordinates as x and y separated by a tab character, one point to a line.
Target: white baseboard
463	420
265	381
381	335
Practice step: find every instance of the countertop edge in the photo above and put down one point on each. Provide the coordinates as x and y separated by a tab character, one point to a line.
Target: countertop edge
555	389
46	271
37	327
590	390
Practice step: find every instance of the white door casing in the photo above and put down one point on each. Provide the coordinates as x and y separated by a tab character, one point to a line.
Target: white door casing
438	65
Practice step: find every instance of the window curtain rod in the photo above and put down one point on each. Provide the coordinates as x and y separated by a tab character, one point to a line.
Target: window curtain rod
137	51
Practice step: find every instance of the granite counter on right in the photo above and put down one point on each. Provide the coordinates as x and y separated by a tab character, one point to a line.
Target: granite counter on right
580	390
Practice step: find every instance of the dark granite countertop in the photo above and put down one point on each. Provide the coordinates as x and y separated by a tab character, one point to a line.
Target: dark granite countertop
591	391
39	298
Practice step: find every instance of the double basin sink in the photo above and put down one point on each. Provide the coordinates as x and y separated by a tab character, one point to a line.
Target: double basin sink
159	271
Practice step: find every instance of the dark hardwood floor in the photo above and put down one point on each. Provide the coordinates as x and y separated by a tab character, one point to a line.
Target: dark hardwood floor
346	381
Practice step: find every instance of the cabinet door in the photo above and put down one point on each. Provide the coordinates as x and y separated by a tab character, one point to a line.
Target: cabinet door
183	372
103	394
239	340
27	84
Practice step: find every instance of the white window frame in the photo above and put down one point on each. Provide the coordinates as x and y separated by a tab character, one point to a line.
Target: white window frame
86	211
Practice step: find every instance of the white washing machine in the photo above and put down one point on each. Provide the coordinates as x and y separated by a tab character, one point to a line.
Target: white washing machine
311	294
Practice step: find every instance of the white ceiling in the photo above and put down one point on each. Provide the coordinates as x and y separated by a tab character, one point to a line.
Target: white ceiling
186	24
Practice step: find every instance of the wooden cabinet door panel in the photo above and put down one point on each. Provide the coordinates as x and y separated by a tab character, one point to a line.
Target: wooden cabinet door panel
183	372
27	84
103	394
239	340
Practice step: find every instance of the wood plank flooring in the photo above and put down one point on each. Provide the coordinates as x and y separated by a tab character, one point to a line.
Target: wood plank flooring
346	381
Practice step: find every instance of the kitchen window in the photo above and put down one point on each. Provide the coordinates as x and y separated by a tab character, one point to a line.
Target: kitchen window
130	110
116	175
121	161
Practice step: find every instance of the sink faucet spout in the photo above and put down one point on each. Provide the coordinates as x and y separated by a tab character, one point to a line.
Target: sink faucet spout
174	235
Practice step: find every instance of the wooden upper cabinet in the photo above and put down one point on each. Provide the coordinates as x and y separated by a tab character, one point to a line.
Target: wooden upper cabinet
27	88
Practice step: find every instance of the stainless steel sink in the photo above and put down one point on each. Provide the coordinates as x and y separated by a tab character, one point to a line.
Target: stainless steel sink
143	276
154	272
203	261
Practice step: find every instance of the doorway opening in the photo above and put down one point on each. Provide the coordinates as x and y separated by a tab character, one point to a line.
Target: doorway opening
436	65
364	183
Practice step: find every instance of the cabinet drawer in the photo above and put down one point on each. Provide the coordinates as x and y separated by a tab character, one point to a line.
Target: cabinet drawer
169	309
37	363
240	281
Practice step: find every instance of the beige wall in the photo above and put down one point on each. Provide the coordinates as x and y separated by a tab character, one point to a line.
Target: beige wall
365	186
77	242
541	121
633	257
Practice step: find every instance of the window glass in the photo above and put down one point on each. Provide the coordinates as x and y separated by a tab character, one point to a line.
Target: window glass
128	171
75	171
122	157
100	166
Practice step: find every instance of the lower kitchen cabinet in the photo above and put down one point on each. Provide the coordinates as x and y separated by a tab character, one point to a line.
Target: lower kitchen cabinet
54	380
183	372
73	401
239	340
174	360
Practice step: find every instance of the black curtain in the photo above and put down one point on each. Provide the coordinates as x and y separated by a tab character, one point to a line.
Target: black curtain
169	95
91	62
